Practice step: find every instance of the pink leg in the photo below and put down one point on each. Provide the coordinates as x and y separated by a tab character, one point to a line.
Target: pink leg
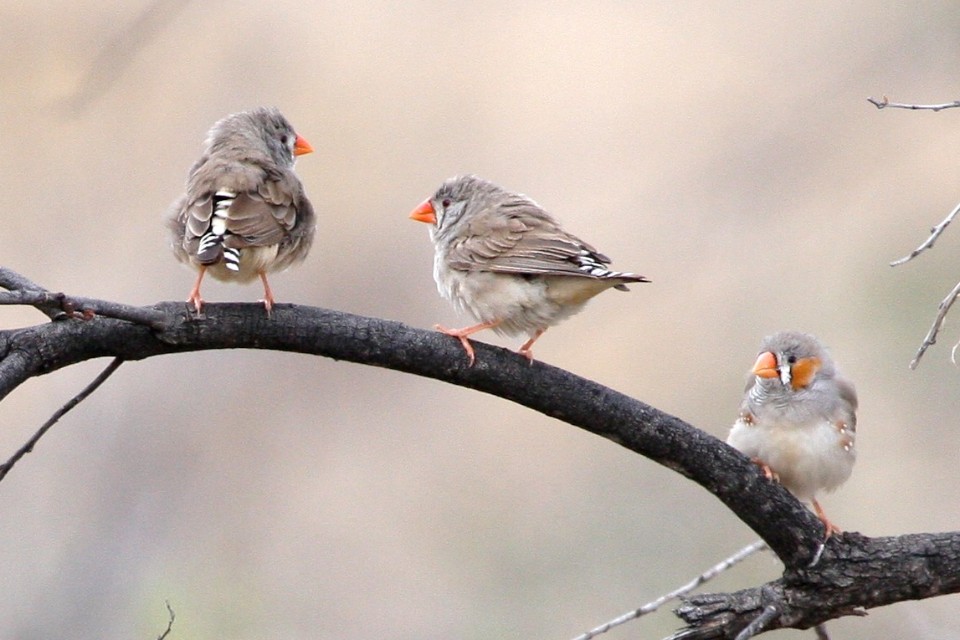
768	472
267	293
195	292
462	334
526	348
831	528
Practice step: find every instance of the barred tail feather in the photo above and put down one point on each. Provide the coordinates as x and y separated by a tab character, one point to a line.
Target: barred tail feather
231	258
595	265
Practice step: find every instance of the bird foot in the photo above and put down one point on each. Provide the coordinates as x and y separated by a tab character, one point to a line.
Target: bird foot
526	349
460	334
829	526
196	301
768	472
267	294
267	304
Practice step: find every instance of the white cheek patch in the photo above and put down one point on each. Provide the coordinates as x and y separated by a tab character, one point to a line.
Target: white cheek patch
784	375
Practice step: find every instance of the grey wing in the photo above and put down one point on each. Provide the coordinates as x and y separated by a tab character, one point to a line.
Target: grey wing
519	237
265	215
848	402
177	225
264	211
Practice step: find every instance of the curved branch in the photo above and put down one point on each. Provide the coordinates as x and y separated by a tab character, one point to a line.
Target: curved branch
790	530
384	343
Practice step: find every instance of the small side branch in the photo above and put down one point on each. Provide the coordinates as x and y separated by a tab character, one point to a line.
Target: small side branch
170	619
74	401
759	623
650	607
931	338
928	243
883	103
58	306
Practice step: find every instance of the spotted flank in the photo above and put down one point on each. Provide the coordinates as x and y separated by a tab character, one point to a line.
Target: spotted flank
210	248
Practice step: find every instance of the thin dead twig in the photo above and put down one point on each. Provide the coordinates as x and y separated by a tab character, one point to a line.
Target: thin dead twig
928	243
883	103
170	620
86	308
70	404
759	623
944	307
931	338
650	607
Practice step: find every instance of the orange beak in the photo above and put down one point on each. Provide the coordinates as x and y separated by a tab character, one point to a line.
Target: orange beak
424	213
766	365
301	146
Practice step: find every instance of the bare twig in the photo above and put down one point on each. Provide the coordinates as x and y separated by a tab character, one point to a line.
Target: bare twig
883	103
170	620
931	338
13	281
84	307
650	607
928	243
759	623
70	404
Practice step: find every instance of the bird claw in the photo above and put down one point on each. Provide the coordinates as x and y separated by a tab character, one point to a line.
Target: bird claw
196	302
460	334
526	353
768	472
829	526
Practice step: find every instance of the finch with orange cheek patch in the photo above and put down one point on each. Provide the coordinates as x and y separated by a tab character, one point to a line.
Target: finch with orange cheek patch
798	418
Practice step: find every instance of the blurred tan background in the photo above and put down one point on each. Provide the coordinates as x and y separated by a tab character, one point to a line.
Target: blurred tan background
728	154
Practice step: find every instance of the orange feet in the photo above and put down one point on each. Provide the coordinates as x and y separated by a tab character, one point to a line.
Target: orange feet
462	335
526	349
194	297
267	294
768	472
831	528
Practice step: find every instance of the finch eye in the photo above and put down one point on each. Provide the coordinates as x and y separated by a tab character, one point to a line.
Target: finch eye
791	359
445	203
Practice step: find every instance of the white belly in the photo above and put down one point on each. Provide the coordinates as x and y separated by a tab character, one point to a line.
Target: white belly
808	458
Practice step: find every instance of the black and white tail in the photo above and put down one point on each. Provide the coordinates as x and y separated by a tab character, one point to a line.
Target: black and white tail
211	248
594	264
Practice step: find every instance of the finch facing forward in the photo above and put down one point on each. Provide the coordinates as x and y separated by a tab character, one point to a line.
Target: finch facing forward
798	418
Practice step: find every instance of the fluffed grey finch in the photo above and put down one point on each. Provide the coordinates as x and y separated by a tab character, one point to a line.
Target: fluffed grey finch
507	262
798	418
244	213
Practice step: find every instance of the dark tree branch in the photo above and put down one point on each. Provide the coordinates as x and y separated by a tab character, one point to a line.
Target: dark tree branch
854	571
845	582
